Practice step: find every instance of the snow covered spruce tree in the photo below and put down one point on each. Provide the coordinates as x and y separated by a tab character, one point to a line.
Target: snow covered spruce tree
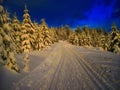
76	40
1	31
62	33
80	36
85	36
46	33
25	47
29	27
102	39
114	40
73	38
104	43
94	37
53	35
27	38
7	51
2	34
39	42
67	32
17	33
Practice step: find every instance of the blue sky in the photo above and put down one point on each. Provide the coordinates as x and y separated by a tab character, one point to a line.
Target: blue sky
92	13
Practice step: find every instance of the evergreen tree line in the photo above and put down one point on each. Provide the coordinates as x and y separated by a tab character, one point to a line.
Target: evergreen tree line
26	36
22	37
93	37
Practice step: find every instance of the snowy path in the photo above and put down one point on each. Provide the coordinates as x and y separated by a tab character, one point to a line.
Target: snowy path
65	68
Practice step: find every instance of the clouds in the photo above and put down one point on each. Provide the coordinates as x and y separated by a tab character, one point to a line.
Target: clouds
100	14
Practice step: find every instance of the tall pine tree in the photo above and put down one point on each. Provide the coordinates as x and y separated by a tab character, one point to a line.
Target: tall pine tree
46	33
7	51
39	37
17	33
114	39
27	38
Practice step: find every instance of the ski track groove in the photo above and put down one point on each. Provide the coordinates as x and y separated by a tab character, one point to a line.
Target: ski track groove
55	77
33	73
94	76
80	75
49	73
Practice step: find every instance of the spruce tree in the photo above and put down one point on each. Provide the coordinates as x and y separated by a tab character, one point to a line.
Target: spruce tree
73	38
86	38
46	33
27	38
95	38
17	33
27	23
114	39
62	32
53	35
2	34
102	39
78	30
39	37
67	31
25	47
80	39
76	40
7	51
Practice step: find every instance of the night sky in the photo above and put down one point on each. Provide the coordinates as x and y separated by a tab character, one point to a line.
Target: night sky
91	13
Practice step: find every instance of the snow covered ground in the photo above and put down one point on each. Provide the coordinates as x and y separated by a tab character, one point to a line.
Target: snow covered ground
65	67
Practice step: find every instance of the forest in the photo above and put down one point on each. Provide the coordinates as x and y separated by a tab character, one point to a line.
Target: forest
23	37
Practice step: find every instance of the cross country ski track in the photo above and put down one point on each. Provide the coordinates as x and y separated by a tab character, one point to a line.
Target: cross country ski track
64	68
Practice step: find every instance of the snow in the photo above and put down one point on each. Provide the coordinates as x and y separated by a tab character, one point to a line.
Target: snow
65	67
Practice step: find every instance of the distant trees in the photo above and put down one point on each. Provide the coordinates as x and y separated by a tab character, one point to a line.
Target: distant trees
64	32
93	37
97	38
53	34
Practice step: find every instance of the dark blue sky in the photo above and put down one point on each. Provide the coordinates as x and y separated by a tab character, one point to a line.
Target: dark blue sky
92	13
